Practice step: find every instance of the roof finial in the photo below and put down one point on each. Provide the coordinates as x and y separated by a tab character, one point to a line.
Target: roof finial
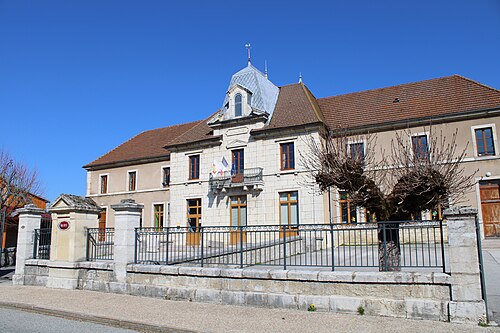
248	46
265	68
300	77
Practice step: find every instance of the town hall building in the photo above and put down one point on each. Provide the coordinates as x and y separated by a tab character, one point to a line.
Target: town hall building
244	164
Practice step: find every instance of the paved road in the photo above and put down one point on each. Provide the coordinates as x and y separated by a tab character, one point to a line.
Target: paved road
15	321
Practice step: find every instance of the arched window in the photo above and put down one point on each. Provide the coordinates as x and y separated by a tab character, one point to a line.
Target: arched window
237	105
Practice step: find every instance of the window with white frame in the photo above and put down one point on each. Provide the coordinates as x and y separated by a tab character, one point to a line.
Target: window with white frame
166	177
485	141
104	184
420	146
238	108
356	151
132	180
158	215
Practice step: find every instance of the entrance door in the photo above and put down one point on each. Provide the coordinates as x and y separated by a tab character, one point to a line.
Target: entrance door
238	165
238	219
194	221
102	225
490	207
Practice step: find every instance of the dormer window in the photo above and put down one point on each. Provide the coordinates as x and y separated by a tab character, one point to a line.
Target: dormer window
237	105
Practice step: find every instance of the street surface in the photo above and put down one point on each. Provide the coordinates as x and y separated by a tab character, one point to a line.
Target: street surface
15	321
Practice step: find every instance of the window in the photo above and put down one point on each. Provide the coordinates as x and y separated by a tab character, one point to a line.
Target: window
347	210
350	213
104	184
237	105
249	99
158	212
484	141
194	167
132	180
238	161
420	146
289	208
287	156
357	151
166	177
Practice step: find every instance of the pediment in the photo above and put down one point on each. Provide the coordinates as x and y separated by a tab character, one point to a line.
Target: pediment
236	144
69	202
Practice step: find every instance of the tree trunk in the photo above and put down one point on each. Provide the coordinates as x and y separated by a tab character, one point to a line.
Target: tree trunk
389	251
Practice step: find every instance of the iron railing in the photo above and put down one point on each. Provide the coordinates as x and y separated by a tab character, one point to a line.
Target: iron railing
249	176
100	243
383	245
41	242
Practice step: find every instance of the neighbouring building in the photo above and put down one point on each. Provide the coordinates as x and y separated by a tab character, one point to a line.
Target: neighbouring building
9	239
243	164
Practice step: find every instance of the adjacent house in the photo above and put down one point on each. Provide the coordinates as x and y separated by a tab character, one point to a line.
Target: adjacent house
243	165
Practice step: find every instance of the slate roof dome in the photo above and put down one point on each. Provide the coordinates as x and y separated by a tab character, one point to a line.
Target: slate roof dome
264	92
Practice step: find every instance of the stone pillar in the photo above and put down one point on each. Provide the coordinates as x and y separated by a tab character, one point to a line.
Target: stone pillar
69	240
29	220
466	303
127	218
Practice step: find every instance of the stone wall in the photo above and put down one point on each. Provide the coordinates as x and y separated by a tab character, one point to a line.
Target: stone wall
404	295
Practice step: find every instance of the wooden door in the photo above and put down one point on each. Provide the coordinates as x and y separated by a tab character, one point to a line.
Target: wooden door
102	225
194	221
490	207
238	219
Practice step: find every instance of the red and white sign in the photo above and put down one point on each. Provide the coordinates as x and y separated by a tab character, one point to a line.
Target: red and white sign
63	225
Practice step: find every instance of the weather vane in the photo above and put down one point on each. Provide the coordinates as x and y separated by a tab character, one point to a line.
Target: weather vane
248	47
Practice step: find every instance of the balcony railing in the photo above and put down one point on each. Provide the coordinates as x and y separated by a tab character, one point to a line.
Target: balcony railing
246	177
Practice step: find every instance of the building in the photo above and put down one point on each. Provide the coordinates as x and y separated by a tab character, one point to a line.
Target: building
242	165
11	227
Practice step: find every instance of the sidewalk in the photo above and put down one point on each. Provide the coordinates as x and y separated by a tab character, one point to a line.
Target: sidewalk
491	259
154	315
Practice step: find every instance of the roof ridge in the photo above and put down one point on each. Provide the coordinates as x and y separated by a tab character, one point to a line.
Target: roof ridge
192	128
170	126
313	100
290	84
387	87
476	82
135	136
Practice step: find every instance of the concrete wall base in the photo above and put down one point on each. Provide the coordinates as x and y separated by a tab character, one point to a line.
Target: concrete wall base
466	312
395	294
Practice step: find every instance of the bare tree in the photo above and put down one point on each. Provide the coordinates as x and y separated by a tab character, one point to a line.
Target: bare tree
17	182
413	177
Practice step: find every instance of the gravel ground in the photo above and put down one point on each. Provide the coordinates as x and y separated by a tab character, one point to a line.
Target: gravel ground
204	317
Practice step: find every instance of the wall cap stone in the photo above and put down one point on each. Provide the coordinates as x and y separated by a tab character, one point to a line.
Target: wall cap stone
29	209
128	205
37	262
459	211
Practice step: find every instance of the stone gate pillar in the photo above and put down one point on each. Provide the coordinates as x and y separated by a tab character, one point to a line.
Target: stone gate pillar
29	220
71	216
127	218
466	303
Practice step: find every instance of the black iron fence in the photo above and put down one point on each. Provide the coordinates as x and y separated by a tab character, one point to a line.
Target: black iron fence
41	242
100	243
387	246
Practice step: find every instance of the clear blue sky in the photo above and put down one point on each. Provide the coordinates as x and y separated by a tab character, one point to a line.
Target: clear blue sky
79	77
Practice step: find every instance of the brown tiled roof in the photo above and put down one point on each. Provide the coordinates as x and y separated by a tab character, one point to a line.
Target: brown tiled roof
147	145
295	106
430	98
200	132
